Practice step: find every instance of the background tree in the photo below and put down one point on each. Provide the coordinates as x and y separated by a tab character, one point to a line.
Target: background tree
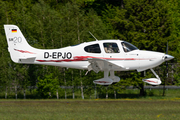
56	24
47	87
146	24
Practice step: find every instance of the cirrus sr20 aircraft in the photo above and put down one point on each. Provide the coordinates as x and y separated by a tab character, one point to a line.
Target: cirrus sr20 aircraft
103	55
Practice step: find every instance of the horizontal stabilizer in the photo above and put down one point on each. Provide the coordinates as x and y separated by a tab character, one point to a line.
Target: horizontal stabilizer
27	59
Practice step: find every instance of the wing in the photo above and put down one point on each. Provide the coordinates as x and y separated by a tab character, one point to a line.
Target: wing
101	64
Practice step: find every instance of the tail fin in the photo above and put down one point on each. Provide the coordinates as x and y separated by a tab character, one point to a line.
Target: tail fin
17	45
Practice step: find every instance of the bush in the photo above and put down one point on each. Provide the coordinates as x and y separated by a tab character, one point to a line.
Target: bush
48	86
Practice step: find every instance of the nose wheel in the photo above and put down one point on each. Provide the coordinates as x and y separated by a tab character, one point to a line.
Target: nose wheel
153	81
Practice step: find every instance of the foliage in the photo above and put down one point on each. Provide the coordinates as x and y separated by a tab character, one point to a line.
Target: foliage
177	76
48	86
55	24
146	24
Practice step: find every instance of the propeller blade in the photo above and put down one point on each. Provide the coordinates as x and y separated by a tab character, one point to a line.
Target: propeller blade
167	48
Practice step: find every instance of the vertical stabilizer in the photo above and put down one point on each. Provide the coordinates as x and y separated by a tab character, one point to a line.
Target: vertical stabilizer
17	44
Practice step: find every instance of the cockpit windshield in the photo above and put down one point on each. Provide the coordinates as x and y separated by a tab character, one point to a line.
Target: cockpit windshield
128	47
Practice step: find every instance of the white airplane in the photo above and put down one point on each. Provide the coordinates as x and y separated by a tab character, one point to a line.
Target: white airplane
103	55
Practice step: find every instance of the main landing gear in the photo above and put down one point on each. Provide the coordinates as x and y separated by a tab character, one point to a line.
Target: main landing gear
107	80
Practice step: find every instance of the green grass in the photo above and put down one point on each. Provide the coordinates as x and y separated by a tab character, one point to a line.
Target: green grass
128	106
97	109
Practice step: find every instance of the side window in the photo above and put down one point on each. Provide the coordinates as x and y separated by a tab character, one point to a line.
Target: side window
93	48
128	47
111	48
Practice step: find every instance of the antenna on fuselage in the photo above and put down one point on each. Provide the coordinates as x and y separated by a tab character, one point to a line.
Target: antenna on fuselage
93	36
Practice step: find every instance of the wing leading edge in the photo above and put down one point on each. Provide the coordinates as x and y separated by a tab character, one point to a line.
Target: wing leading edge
97	65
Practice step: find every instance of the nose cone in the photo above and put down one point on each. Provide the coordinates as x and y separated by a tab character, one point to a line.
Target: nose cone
167	57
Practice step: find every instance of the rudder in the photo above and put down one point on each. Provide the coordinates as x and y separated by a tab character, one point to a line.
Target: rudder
17	44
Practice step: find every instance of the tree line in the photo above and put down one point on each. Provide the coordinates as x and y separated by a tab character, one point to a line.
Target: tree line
148	24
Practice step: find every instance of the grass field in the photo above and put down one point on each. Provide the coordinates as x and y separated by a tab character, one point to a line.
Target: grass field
124	109
129	106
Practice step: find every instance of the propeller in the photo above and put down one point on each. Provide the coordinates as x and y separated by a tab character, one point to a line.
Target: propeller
167	48
166	58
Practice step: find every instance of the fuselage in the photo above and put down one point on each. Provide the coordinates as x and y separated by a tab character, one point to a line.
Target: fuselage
116	51
103	55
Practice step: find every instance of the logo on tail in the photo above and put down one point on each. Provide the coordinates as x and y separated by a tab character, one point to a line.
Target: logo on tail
14	30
